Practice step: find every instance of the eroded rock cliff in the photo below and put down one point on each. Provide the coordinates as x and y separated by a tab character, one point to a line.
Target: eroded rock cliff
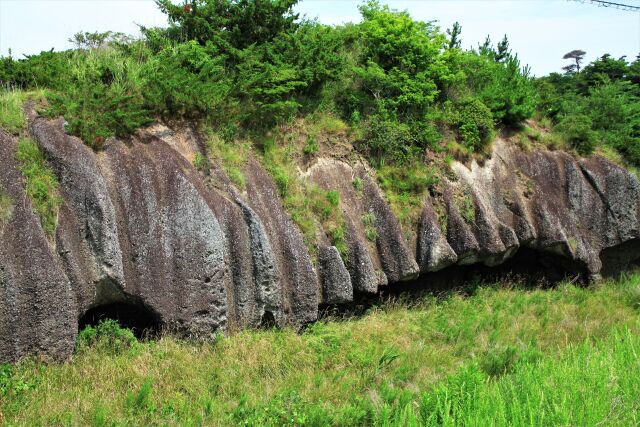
140	225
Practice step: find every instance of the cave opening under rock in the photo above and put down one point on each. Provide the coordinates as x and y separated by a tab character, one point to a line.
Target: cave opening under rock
619	258
143	322
528	267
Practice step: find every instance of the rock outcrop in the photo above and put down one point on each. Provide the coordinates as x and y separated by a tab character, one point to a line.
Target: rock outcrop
140	225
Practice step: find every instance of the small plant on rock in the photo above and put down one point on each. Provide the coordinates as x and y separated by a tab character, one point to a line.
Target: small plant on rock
369	220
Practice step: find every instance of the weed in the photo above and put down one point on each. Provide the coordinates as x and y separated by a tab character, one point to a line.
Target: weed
489	358
40	183
369	221
11	115
201	163
142	399
311	146
6	207
107	336
358	184
443	218
553	141
308	204
404	186
524	142
464	204
232	156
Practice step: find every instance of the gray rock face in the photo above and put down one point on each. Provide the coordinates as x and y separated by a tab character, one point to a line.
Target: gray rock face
140	225
38	312
336	282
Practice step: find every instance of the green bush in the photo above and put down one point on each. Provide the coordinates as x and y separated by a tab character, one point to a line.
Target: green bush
188	80
389	139
103	97
106	336
310	146
405	186
369	221
41	185
201	163
474	122
577	131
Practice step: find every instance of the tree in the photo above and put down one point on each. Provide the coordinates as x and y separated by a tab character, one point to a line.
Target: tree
577	55
229	24
454	36
486	48
503	52
95	40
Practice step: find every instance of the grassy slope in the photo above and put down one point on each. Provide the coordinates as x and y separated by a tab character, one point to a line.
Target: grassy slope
508	355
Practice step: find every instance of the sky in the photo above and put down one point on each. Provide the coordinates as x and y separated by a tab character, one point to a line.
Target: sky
540	31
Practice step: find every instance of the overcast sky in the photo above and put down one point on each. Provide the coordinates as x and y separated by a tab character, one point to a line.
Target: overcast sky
540	31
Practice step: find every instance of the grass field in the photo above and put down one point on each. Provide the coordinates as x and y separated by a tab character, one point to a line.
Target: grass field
501	355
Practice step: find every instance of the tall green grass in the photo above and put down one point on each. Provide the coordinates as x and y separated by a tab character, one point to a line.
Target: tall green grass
6	206
41	185
12	118
307	203
505	355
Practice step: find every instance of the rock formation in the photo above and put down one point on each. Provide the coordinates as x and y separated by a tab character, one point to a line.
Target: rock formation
140	225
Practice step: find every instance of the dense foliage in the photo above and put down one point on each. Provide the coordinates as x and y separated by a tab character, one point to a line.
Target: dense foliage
600	105
249	64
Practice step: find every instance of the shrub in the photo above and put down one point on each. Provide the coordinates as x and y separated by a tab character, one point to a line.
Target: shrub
504	87
104	96
40	183
577	131
465	206
358	184
201	163
388	139
188	80
404	187
311	146
474	122
106	336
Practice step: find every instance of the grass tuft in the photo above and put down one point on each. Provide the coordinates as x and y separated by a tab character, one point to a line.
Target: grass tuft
40	183
405	186
6	206
308	204
232	156
12	117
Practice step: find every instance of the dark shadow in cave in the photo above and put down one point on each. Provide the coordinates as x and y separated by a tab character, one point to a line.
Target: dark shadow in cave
143	322
528	268
617	259
268	320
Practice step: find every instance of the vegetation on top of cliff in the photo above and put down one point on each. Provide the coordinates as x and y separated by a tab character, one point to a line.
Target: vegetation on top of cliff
597	106
409	94
499	354
251	64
